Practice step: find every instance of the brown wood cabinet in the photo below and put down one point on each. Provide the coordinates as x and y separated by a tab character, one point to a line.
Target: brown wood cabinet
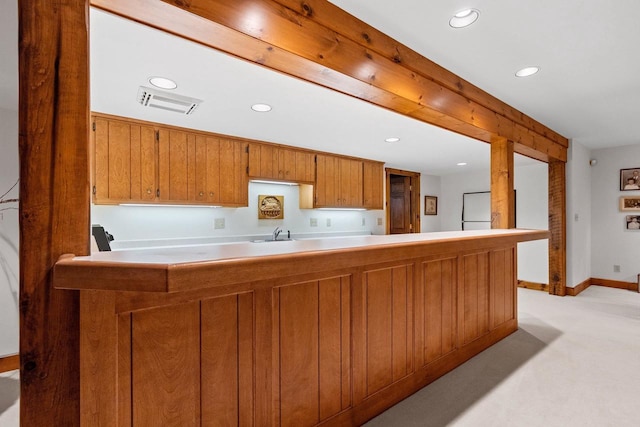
339	182
142	162
372	179
123	163
275	162
321	337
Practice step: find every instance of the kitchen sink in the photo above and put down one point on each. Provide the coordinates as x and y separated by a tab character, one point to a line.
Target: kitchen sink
271	240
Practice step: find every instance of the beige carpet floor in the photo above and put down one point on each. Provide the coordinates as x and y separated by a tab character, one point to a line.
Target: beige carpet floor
574	362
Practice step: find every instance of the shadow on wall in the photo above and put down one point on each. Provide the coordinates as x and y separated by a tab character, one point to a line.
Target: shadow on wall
455	392
9	249
9	392
9	259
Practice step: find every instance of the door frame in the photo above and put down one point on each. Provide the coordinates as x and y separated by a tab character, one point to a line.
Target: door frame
414	182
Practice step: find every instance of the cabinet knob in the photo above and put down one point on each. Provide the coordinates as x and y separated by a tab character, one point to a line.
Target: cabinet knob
148	191
201	193
211	193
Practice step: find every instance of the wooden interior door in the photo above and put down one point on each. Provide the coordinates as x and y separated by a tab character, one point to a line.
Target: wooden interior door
400	205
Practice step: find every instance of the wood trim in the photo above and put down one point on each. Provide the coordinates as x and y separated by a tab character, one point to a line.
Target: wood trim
503	201
578	288
54	202
557	229
310	40
9	363
534	286
630	286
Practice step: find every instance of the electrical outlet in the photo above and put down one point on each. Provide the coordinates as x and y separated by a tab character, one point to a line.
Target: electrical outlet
313	222
1	216
576	217
218	223
379	221
363	222
328	222
616	268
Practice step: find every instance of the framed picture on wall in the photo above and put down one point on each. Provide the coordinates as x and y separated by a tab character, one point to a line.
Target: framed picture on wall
630	203
270	207
630	179
430	205
633	222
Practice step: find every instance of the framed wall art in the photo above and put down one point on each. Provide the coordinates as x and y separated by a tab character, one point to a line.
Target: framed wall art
630	203
630	179
633	222
430	205
270	207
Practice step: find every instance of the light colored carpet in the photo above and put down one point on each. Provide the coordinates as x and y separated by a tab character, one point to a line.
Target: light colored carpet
575	361
10	399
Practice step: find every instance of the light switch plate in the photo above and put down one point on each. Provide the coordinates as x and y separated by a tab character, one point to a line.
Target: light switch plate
328	222
379	221
313	222
363	222
218	224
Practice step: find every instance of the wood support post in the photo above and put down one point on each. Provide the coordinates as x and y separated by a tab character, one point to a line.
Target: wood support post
503	206
54	202
557	228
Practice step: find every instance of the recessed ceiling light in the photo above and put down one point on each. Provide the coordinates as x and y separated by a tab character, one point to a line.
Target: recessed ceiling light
163	83
527	71
464	18
461	164
261	108
392	139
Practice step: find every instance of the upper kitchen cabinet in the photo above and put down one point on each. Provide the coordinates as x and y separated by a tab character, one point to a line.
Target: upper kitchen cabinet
344	182
275	162
201	168
234	183
372	179
146	163
124	161
338	182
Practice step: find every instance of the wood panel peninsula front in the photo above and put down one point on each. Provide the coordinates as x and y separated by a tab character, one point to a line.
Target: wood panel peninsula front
294	333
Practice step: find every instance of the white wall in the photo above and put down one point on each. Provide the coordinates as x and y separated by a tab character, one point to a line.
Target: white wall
452	187
9	234
531	187
532	211
429	186
579	219
611	243
155	222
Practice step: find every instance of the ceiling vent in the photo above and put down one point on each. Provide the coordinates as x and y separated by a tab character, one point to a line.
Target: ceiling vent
149	97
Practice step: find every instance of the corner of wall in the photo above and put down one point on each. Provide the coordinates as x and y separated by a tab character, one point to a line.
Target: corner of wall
578	208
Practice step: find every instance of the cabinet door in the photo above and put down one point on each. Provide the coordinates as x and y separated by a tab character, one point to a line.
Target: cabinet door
123	161
234	186
174	163
350	193
305	167
207	169
373	176
327	181
352	189
263	161
286	164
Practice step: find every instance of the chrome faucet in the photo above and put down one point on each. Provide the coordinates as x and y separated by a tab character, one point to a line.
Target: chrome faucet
276	233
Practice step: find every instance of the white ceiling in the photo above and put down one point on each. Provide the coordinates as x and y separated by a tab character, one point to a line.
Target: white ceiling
585	90
588	85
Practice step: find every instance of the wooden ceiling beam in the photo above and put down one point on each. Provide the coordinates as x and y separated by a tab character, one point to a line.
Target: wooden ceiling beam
316	43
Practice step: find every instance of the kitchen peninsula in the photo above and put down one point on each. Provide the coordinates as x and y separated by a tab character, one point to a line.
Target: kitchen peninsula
294	333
